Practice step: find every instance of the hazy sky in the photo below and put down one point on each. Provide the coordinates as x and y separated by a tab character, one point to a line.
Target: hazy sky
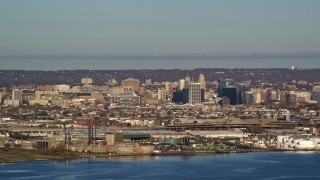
118	28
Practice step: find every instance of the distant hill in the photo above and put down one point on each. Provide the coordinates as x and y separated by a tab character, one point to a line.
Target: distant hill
73	77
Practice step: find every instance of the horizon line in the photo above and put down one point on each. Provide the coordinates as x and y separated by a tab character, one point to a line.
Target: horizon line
171	56
181	69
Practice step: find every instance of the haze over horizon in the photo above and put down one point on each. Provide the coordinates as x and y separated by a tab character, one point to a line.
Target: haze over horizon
142	34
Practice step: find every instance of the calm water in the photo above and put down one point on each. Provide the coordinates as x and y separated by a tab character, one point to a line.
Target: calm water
235	166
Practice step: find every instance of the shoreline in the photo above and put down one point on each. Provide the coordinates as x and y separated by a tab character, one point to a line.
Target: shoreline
193	153
38	156
17	155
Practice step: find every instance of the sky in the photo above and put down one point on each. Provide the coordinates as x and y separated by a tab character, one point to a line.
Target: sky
124	34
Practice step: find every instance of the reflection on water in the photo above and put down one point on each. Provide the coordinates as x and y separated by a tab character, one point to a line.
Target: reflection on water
125	158
150	158
300	152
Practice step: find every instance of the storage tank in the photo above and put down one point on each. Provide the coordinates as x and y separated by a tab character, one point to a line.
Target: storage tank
305	144
296	142
282	138
290	141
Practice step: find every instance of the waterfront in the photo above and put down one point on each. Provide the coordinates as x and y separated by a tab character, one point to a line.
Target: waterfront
275	165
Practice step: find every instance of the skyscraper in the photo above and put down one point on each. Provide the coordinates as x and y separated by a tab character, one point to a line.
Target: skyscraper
248	98
226	83
181	84
202	81
230	94
177	96
194	93
17	95
187	79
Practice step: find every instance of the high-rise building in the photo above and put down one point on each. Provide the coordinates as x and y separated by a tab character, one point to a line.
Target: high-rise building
226	83
187	79
194	93
166	85
202	81
188	91
228	92
231	95
130	82
248	98
181	84
181	96
268	97
185	96
177	96
17	95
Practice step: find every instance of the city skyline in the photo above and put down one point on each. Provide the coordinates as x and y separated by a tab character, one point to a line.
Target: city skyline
108	88
96	35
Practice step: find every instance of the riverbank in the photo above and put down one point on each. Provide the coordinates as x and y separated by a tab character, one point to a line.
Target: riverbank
15	155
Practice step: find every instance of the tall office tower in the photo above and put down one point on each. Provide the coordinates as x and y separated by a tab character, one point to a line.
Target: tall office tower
268	97
202	81
166	85
17	95
226	83
229	96
194	93
86	81
177	96
248	98
187	80
181	84
185	96
130	82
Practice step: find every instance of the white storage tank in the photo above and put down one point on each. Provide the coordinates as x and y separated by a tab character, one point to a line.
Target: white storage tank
282	138
291	142
305	144
296	142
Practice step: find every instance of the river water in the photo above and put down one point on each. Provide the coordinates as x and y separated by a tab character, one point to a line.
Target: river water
274	165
